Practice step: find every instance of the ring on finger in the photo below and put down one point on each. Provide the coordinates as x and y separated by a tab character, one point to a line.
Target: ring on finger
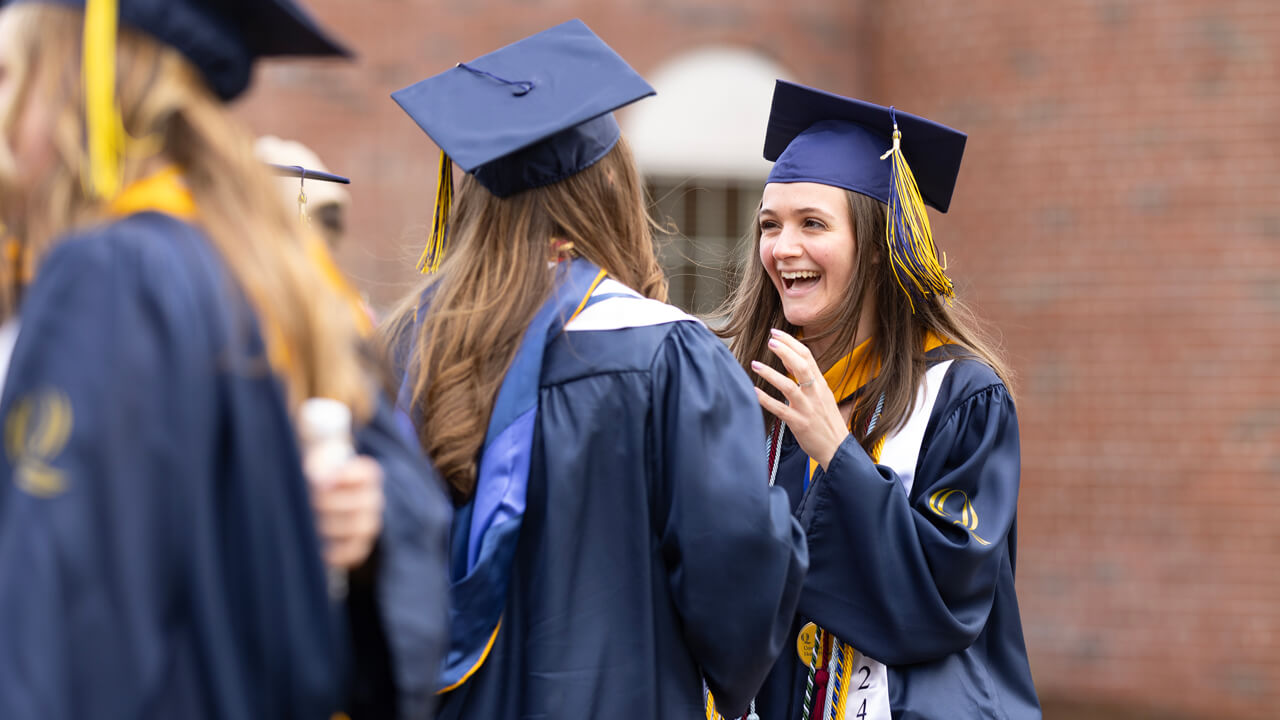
807	383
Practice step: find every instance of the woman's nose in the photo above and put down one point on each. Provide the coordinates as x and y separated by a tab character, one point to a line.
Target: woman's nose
787	244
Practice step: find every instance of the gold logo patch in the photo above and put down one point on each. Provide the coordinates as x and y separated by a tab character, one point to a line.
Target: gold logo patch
35	432
968	516
805	641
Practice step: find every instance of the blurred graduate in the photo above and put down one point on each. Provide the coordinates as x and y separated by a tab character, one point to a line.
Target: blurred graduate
162	553
327	204
891	425
614	538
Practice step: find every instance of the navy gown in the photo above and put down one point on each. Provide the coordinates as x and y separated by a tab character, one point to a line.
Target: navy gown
652	552
158	555
913	565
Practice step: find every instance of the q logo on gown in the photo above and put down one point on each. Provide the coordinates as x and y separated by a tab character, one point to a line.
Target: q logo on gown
35	432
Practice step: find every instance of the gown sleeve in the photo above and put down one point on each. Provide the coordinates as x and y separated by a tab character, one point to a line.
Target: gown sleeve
734	554
912	580
401	618
88	527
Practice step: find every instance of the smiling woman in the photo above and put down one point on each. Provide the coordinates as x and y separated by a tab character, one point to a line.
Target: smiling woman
891	427
808	248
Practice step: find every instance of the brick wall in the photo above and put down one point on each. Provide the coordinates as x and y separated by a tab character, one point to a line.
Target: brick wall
1117	219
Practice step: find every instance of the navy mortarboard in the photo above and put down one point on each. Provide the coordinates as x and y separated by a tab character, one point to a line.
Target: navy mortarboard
221	38
895	157
530	114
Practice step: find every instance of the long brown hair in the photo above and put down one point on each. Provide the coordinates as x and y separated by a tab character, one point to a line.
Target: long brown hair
491	284
897	342
170	113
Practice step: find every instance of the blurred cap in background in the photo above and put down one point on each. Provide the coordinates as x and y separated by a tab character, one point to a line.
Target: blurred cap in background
327	203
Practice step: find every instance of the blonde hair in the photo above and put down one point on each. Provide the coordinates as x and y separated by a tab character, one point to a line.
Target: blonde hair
896	343
491	284
169	111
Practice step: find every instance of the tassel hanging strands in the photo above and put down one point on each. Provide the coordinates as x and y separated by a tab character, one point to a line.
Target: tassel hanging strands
302	201
433	253
105	129
912	255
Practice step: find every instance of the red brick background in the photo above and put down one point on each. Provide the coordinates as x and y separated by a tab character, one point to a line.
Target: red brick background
1117	219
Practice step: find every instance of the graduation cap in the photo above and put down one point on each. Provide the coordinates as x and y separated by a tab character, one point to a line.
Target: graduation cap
898	158
304	174
221	38
527	115
292	161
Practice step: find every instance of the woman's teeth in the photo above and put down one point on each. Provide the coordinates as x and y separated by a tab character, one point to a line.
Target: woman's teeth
789	279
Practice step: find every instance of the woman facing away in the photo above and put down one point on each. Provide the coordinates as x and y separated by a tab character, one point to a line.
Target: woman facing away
891	426
614	539
160	550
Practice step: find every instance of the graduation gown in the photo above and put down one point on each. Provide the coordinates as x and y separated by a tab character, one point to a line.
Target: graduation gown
158	555
912	560
652	551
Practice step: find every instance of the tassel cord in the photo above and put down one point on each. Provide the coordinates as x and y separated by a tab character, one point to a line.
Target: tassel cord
908	235
105	128
433	253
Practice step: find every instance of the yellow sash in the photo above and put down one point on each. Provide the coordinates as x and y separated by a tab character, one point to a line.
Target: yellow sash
163	191
854	370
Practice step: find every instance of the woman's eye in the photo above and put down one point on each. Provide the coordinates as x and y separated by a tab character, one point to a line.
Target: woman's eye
815	224
768	225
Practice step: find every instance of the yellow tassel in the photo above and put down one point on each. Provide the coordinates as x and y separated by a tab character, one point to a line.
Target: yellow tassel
433	253
105	129
842	699
912	255
303	217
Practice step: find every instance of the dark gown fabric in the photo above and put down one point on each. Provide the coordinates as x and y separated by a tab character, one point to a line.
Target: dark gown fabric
652	552
158	555
890	574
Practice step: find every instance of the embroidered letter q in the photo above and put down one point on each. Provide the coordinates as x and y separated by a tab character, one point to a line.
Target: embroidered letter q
35	432
968	516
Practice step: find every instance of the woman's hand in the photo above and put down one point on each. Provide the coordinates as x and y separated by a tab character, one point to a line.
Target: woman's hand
348	505
810	411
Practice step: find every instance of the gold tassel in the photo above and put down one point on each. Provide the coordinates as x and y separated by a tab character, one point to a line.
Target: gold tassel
433	253
912	255
105	128
303	217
